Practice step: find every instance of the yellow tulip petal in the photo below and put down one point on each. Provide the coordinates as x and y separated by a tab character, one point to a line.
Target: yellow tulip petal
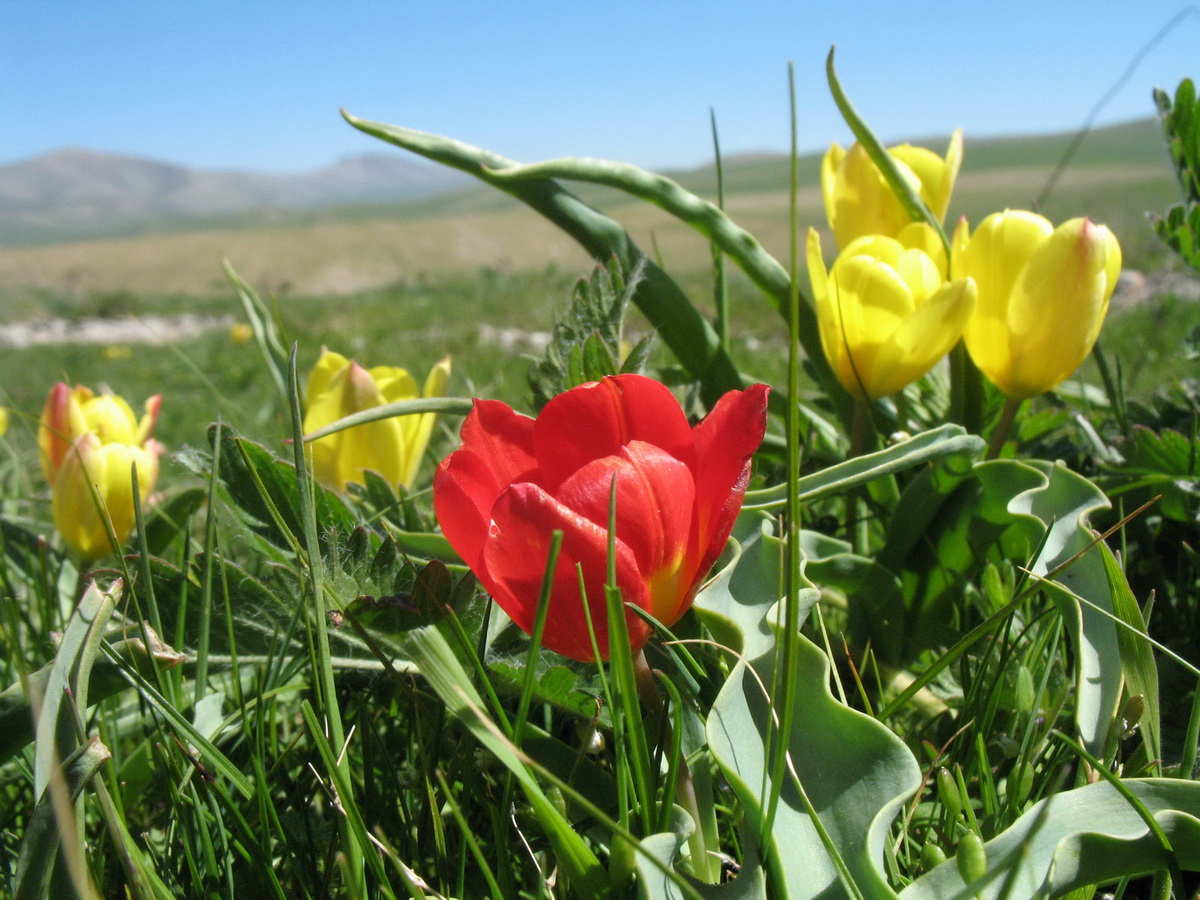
395	384
828	318
920	236
110	417
329	364
995	256
1057	307
923	338
830	163
922	275
419	428
863	202
871	301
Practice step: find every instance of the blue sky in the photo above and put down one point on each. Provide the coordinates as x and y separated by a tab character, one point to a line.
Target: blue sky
257	85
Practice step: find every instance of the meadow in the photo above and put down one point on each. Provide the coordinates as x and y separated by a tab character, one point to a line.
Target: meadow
924	667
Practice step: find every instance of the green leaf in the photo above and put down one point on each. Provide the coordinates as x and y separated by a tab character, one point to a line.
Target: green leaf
855	773
264	486
266	331
738	602
69	680
169	518
654	884
684	329
874	599
1137	657
937	443
1090	835
39	845
883	160
1063	507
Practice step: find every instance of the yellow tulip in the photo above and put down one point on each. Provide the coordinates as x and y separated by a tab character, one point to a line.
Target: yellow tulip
88	440
89	463
1043	295
3	420
885	310
71	412
338	387
859	201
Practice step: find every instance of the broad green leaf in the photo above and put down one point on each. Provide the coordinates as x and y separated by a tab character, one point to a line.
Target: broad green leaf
875	603
1089	835
653	883
947	521
1063	506
736	604
274	510
169	518
937	443
855	772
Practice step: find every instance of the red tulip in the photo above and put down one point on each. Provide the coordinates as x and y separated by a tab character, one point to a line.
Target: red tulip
516	480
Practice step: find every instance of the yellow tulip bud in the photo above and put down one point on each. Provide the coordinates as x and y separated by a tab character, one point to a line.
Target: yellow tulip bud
886	312
1043	295
338	387
859	201
3	420
90	441
71	412
91	464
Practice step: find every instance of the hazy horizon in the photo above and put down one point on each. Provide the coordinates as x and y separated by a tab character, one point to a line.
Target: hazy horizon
227	86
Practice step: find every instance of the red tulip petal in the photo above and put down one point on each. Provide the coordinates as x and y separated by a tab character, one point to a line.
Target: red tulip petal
655	495
595	420
497	451
514	562
497	433
725	442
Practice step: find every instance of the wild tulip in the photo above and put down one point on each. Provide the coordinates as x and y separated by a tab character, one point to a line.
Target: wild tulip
886	312
859	201
1043	295
516	480
71	412
338	387
105	467
88	445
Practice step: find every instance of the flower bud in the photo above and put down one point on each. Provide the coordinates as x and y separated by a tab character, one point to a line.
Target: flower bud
1043	293
392	447
885	310
859	201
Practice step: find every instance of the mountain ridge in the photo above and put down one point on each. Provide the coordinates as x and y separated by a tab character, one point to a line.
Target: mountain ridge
74	193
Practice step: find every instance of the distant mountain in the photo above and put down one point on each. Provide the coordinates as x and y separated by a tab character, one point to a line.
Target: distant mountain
77	193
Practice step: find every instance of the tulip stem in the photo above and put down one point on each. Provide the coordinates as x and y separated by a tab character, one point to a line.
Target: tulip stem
647	687
1000	434
860	435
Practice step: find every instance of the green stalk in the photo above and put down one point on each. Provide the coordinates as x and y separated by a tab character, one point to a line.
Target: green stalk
720	283
787	677
318	625
1000	434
